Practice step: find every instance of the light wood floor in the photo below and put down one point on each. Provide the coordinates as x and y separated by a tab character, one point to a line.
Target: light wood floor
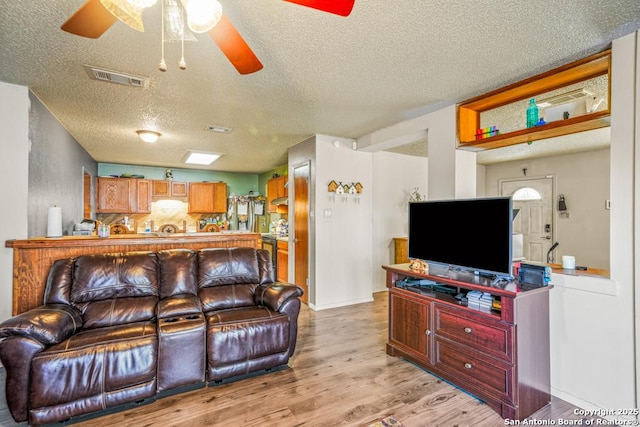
340	375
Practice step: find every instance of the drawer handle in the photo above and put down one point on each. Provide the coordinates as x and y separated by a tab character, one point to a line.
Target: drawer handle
468	330
468	365
428	332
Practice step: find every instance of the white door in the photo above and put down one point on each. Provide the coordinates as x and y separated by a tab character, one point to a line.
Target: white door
534	199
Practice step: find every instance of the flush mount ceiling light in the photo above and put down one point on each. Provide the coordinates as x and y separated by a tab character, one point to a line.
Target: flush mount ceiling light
148	136
201	158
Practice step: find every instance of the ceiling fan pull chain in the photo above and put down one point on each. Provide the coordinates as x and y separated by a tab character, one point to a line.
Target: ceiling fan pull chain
163	65
182	64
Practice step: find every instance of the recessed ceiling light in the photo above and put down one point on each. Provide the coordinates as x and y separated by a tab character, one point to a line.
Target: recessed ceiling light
219	129
201	158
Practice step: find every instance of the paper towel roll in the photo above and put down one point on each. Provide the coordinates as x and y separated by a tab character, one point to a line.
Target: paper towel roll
54	222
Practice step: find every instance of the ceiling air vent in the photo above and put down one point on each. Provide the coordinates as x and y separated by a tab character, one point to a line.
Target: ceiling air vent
110	76
218	129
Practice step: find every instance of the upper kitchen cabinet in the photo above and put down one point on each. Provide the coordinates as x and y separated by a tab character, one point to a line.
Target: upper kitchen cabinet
276	189
165	188
207	197
123	195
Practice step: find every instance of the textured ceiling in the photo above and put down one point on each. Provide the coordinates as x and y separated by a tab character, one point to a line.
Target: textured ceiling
323	74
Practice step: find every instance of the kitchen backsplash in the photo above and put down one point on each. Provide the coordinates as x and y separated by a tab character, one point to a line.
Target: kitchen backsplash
173	214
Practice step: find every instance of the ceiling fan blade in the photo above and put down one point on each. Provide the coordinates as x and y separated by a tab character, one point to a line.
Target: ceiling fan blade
91	20
229	40
338	7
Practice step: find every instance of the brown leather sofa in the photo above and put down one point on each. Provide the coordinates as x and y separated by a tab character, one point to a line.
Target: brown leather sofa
116	329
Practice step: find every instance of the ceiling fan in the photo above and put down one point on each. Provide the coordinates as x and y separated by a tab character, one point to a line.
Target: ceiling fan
97	16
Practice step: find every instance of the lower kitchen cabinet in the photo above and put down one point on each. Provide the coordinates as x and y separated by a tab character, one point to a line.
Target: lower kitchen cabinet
283	261
502	356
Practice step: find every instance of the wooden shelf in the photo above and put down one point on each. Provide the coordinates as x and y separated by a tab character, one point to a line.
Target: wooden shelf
583	123
584	69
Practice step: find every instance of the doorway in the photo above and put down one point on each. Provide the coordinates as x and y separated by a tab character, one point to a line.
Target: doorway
534	199
87	199
301	229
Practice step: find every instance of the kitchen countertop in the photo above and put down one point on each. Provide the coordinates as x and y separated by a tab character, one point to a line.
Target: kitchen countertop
128	239
32	258
276	237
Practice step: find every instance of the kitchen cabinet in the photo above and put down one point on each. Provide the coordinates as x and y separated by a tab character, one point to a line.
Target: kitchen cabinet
276	189
282	259
166	188
207	197
123	195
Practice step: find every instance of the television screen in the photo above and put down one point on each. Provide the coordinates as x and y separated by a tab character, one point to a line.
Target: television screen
473	234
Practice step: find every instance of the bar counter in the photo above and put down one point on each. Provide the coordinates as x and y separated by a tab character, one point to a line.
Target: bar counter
33	257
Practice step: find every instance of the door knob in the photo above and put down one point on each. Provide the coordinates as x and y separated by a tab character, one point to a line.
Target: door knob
546	237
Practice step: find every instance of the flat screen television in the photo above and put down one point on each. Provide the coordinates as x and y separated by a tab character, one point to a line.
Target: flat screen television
471	234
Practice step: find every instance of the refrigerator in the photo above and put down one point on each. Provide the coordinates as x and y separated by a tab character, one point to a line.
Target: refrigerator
247	213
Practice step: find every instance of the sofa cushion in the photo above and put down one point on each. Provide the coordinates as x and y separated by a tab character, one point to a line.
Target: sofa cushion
227	266
244	334
117	311
177	272
228	296
59	281
94	362
105	276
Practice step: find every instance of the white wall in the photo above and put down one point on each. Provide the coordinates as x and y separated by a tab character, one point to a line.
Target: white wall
593	364
395	177
466	173
14	165
343	226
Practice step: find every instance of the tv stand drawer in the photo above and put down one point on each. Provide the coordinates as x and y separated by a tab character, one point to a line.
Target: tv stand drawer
481	375
471	328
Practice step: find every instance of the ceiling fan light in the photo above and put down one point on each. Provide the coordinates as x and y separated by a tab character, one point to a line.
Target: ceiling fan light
148	136
202	15
142	3
125	12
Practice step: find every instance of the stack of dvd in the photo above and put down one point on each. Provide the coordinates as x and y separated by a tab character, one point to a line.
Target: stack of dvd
479	300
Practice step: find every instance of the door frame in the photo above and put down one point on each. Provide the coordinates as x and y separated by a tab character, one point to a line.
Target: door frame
292	230
554	192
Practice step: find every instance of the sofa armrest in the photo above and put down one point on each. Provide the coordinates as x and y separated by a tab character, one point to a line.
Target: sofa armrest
179	305
48	324
274	295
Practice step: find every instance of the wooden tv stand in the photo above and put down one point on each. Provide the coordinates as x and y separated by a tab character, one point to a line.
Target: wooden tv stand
502	357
